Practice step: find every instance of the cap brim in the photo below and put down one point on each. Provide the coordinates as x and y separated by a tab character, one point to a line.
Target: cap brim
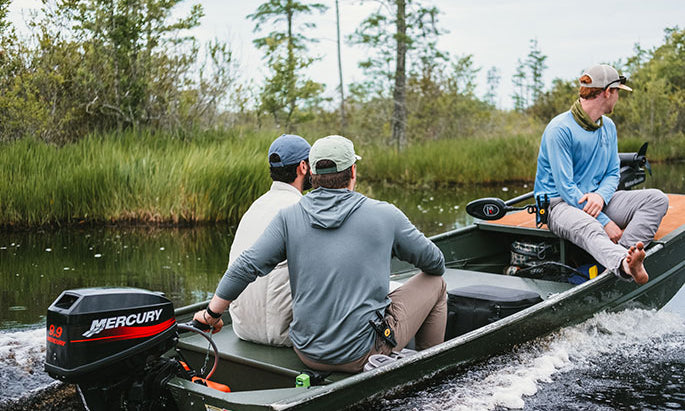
624	87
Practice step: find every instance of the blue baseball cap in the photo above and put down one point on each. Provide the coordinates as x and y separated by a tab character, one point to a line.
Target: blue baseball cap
290	148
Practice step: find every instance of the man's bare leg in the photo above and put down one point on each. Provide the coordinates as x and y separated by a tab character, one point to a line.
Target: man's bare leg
633	263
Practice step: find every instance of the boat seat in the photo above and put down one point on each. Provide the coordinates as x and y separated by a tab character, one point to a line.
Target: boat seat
278	360
457	278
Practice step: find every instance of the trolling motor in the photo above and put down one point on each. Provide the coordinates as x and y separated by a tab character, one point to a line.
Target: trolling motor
633	166
112	342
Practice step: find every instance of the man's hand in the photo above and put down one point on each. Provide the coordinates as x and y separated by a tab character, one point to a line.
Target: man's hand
595	203
204	318
613	231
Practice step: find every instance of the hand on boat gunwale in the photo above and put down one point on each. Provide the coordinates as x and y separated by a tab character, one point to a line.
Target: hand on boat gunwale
216	323
613	231
594	204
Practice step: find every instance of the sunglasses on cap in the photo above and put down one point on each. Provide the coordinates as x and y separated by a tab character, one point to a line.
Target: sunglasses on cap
620	79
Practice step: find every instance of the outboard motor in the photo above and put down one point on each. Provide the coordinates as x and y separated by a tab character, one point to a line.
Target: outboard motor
111	341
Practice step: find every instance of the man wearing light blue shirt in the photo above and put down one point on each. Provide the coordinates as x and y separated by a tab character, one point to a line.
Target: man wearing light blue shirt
578	169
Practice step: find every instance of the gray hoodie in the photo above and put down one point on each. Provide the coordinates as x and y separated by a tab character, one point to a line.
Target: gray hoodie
338	244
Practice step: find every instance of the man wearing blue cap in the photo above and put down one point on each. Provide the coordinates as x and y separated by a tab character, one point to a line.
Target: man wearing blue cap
263	311
339	244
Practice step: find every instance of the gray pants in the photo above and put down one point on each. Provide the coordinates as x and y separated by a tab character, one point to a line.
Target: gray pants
637	212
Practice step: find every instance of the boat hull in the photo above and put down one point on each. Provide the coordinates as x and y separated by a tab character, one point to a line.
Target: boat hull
604	293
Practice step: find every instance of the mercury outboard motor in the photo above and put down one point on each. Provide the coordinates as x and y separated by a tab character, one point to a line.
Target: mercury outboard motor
110	342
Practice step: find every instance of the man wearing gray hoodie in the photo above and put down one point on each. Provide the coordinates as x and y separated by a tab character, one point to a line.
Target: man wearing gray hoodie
339	244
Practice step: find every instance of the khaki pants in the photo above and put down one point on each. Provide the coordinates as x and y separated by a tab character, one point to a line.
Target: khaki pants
418	310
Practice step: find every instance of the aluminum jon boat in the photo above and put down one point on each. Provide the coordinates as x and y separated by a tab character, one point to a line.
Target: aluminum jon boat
264	378
122	346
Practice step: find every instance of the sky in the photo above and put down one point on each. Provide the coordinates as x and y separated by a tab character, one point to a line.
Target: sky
572	34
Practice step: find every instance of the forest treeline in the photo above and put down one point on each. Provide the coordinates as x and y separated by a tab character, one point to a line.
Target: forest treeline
95	66
110	112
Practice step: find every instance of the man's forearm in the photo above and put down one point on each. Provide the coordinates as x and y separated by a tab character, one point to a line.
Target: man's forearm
212	315
218	304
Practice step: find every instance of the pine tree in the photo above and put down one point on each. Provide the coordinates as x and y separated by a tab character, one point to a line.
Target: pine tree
535	63
520	89
286	57
402	35
527	81
493	78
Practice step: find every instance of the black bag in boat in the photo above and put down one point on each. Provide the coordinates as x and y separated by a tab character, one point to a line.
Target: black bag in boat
474	306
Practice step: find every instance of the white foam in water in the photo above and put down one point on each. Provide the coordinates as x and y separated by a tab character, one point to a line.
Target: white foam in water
506	380
22	357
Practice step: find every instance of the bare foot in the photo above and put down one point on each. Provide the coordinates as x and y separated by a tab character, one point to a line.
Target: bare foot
633	263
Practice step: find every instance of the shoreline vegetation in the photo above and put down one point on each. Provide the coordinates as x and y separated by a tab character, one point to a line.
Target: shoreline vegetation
141	178
111	114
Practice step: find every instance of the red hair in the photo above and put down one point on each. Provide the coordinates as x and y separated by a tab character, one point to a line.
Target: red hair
588	93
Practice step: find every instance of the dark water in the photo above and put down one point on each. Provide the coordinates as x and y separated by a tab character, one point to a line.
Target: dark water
629	360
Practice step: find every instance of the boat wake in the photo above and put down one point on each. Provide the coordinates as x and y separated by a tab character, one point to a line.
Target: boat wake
22	357
631	359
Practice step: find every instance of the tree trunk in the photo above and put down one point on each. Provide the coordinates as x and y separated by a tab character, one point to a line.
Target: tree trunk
340	73
399	114
291	99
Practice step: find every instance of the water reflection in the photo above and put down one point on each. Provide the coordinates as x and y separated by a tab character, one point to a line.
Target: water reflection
669	177
184	263
37	266
436	211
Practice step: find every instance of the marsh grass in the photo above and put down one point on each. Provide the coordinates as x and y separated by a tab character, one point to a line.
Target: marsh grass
458	161
132	177
139	177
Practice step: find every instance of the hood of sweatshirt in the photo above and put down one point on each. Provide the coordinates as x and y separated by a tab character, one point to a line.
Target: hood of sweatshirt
329	208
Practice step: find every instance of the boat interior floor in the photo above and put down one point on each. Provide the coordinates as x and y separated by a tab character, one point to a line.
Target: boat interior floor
256	357
284	361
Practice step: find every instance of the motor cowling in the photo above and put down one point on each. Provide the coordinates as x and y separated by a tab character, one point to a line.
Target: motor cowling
94	334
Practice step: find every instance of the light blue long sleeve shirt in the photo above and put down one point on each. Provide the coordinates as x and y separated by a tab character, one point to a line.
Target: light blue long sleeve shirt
573	161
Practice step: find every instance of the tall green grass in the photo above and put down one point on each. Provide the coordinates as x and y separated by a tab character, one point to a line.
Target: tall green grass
214	176
458	161
136	177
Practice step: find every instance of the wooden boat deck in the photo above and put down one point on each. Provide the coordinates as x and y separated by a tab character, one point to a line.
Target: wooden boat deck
675	217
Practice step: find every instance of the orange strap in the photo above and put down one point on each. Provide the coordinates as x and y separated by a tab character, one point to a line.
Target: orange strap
211	384
206	383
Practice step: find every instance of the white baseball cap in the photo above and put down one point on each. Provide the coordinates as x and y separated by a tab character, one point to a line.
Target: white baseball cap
604	76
